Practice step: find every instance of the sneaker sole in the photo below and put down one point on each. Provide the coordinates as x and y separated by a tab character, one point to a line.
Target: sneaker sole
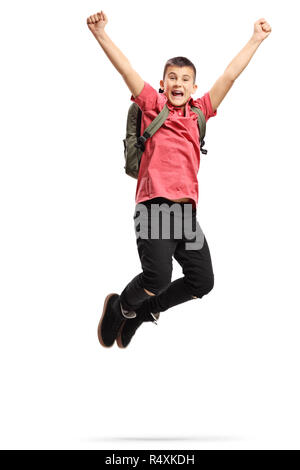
101	320
119	336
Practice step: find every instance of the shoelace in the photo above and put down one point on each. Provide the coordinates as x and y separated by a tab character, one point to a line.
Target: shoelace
154	317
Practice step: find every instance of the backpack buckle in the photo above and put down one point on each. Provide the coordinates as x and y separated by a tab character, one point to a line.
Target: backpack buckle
141	142
204	151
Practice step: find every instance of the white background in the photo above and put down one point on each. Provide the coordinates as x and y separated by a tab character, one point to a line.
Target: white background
217	373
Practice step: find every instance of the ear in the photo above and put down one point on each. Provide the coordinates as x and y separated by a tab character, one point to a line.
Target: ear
194	89
161	84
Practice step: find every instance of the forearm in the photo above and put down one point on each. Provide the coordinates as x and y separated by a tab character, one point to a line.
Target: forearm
239	63
117	58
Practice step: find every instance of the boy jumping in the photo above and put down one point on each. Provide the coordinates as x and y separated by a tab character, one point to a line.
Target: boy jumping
167	178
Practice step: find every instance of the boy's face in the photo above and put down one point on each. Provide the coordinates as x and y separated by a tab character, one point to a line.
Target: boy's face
178	79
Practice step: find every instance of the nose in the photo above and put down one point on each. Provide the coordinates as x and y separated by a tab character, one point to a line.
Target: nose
178	84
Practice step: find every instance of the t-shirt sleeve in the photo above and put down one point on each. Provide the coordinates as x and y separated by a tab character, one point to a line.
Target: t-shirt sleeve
204	104
147	99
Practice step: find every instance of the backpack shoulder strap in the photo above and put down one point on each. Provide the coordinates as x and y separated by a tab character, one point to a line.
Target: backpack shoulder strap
202	127
201	121
153	127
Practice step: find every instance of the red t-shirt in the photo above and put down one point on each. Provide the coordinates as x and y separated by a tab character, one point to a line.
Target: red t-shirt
171	160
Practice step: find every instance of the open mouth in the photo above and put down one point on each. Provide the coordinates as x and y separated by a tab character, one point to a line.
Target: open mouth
177	94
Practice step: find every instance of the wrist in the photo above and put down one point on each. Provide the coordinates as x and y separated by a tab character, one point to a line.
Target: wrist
255	41
100	35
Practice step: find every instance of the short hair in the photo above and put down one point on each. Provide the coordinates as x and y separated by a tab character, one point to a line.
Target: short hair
180	62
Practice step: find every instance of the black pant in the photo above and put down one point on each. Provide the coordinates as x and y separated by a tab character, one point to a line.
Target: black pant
156	247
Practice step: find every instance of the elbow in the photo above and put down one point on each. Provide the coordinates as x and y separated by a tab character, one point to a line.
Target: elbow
230	76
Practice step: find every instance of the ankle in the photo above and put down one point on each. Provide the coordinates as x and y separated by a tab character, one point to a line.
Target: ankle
148	292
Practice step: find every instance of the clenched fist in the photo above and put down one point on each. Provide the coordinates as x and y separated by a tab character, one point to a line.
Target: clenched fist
262	29
97	22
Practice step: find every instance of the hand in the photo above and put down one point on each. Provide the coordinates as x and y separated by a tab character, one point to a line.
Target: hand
97	22
262	29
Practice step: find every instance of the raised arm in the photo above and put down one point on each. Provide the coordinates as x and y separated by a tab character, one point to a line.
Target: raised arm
96	24
220	89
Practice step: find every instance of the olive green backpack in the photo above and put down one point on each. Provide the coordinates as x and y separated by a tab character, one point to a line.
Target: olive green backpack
134	143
